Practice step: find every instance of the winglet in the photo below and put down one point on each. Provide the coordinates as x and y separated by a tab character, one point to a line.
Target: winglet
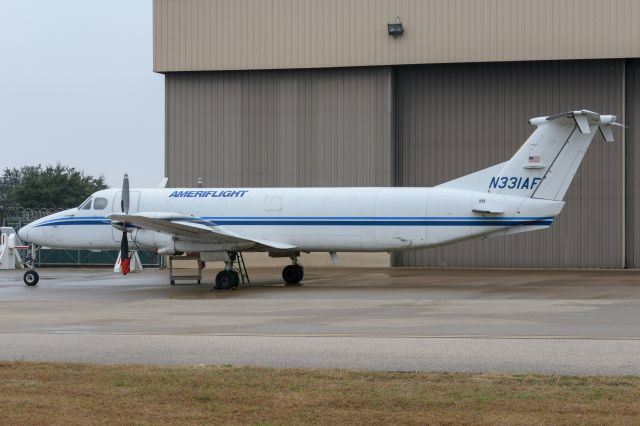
582	121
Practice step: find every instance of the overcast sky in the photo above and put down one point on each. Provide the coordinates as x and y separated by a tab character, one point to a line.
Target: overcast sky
77	87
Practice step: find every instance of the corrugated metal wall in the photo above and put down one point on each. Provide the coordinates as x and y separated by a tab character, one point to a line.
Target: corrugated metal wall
279	128
456	119
340	127
632	163
193	35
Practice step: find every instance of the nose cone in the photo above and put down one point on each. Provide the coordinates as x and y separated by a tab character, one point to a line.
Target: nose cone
23	233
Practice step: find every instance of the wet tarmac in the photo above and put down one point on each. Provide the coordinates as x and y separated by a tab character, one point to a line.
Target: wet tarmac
574	322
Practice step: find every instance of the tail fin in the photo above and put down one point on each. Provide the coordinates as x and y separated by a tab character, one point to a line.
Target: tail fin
545	165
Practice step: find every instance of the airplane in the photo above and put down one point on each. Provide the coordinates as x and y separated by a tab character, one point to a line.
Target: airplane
522	194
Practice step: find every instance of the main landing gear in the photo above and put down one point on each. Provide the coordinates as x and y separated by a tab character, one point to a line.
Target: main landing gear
31	277
227	280
232	276
235	272
293	274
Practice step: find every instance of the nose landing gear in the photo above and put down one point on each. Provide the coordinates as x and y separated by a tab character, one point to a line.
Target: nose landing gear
31	277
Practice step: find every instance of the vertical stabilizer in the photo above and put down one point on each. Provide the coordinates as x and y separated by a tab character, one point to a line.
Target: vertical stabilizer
545	165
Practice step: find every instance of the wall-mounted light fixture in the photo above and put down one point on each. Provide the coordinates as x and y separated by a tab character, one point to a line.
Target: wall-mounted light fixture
395	29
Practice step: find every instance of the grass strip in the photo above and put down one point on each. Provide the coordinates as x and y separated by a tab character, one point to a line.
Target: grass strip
52	393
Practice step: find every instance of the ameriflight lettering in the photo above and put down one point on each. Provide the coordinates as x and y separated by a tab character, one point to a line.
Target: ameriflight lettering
209	194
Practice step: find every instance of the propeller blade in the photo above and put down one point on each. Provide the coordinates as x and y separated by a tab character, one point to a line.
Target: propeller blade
124	205
124	253
124	246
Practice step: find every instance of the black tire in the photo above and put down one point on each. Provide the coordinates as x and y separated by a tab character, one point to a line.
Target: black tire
292	274
226	280
173	282
31	278
300	270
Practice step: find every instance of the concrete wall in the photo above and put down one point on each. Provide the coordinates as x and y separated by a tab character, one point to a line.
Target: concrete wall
456	119
190	35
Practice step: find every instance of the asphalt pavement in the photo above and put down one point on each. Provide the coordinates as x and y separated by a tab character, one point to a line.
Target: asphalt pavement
400	319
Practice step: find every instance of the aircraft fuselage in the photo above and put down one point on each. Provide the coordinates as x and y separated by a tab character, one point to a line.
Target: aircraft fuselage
312	219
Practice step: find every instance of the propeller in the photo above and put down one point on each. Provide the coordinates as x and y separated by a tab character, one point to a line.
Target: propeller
124	243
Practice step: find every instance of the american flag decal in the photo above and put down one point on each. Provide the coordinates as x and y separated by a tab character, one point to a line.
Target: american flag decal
534	158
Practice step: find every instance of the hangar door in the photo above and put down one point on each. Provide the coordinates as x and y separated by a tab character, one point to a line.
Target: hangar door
454	119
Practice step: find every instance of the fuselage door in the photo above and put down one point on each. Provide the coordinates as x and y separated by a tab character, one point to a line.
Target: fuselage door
400	220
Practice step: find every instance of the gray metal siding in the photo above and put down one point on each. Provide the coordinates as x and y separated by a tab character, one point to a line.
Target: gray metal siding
329	127
196	35
632	163
456	119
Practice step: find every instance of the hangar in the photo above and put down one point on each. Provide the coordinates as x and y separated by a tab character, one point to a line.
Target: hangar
328	93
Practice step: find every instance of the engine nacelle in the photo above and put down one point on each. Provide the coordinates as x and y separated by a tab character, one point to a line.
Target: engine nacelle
153	240
163	243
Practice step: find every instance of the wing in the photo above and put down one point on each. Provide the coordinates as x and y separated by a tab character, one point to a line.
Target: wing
191	227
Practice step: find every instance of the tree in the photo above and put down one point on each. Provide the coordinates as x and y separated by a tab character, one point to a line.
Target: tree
54	187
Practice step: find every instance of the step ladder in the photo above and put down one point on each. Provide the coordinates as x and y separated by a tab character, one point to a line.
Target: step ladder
241	268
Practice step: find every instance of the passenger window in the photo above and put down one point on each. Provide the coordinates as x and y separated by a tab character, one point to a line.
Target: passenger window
100	203
86	205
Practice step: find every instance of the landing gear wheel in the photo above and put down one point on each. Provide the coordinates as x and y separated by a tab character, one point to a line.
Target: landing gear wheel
173	282
227	280
31	278
300	270
293	274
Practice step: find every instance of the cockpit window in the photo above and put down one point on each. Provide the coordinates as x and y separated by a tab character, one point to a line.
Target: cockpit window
86	204
100	203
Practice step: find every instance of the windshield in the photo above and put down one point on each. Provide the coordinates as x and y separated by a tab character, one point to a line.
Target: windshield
86	204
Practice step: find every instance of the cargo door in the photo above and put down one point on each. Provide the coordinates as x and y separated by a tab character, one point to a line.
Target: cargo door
400	220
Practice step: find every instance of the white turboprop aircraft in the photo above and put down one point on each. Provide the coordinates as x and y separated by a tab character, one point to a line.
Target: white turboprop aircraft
522	194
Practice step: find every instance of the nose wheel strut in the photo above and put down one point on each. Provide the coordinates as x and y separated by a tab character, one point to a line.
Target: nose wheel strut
31	277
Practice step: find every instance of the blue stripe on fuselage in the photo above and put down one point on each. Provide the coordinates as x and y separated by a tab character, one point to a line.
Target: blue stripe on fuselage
75	222
383	222
330	221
